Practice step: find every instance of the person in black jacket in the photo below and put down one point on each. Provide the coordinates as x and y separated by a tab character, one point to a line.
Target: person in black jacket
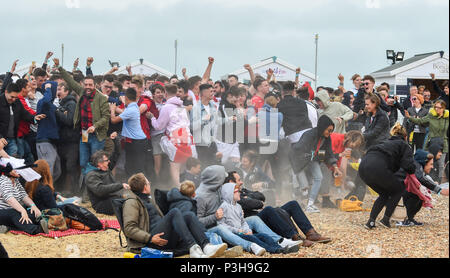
295	116
359	102
443	93
253	203
413	204
377	124
377	169
69	138
313	148
10	105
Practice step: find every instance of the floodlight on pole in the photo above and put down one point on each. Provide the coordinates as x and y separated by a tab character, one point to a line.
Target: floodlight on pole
395	57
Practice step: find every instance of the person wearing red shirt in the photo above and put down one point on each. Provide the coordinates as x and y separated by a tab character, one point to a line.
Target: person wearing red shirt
24	149
262	89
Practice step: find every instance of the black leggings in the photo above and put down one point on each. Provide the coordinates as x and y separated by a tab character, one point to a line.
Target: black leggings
177	225
374	171
412	203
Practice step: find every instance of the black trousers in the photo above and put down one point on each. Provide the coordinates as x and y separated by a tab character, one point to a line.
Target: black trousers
418	141
69	156
176	226
135	156
374	172
11	218
412	203
31	140
207	155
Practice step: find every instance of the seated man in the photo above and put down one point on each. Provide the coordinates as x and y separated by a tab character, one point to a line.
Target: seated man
252	201
101	186
144	225
255	179
192	172
209	212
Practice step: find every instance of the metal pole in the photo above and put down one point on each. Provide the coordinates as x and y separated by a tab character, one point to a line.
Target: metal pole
176	54
62	55
317	46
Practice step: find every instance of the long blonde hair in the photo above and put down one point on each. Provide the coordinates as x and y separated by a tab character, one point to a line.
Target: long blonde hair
398	130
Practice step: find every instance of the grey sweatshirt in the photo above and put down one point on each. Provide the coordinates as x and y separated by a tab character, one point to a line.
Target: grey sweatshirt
233	215
208	194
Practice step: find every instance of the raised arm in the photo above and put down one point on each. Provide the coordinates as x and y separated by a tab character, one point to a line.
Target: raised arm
250	71
207	74
47	57
89	62
74	85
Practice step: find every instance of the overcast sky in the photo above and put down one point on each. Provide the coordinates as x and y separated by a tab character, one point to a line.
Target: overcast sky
354	34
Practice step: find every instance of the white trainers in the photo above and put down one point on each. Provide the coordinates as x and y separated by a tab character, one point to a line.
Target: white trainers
213	251
312	209
257	250
289	243
196	252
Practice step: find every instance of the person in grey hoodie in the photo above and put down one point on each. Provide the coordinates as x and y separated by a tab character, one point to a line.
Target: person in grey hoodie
209	212
233	219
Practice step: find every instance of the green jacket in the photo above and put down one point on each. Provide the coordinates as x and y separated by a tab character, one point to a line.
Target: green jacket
438	126
136	222
100	107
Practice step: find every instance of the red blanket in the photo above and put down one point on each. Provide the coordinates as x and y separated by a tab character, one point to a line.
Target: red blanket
71	232
413	186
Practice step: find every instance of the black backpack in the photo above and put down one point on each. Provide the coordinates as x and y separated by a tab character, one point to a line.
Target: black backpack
117	205
161	200
82	215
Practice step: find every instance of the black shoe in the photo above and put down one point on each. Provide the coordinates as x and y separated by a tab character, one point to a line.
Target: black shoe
326	203
415	223
385	223
289	250
370	225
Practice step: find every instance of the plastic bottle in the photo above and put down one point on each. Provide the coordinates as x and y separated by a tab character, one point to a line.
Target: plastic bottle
129	255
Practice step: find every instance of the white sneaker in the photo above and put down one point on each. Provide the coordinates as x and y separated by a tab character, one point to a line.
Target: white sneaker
312	209
257	250
289	243
196	252
213	251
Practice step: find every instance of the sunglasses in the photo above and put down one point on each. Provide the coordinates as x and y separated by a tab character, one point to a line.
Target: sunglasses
437	107
426	96
366	84
414	99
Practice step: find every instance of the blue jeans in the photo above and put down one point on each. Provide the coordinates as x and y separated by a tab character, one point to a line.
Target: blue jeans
231	238
12	149
259	227
213	238
264	241
88	149
317	177
24	151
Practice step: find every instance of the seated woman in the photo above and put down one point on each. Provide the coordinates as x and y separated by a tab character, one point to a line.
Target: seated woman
12	213
42	191
144	225
252	203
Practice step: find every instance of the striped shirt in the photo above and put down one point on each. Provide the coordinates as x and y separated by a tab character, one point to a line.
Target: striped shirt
8	191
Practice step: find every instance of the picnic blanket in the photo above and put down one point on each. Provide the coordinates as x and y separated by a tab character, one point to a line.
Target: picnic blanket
70	232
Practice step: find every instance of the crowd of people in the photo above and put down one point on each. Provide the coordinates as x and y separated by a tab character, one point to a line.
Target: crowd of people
224	151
